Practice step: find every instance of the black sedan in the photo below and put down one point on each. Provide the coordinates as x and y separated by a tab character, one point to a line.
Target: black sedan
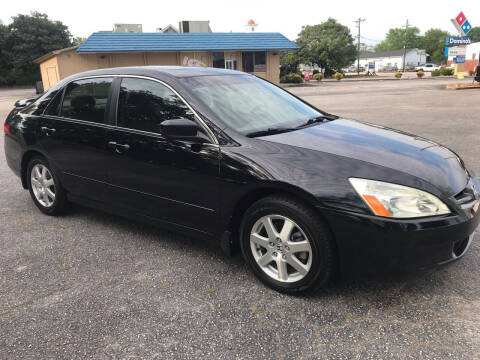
228	156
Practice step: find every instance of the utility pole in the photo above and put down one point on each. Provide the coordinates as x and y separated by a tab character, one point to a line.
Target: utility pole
358	22
405	45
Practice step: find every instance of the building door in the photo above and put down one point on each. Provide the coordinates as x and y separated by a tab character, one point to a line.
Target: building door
52	76
231	64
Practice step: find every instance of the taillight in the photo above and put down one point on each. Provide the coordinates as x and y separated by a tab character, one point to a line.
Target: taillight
6	128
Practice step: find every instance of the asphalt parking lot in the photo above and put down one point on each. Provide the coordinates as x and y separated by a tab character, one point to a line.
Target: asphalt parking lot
92	285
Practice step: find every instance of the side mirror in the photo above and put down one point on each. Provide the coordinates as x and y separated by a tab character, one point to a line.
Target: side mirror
24	102
179	128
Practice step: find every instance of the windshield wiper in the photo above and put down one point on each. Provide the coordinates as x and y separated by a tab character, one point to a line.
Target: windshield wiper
318	119
269	131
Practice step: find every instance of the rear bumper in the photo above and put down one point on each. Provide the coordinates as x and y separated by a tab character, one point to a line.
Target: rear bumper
13	153
369	244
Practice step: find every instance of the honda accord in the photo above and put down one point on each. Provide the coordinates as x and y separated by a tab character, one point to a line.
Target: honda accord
231	157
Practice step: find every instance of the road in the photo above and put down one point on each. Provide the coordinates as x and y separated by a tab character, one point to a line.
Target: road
92	285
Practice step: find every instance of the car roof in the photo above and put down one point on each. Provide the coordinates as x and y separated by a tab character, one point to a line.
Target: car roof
159	71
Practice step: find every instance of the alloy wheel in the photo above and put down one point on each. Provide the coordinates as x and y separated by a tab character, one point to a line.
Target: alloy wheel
281	248
43	185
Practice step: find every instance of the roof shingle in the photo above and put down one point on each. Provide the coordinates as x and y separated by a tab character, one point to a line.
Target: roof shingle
126	42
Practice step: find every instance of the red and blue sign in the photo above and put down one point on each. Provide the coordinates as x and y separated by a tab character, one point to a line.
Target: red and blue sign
462	23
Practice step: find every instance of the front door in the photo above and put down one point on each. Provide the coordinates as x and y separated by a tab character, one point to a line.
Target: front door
155	177
230	64
72	134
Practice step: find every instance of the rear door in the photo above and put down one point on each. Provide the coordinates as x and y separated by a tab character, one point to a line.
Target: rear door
72	134
159	178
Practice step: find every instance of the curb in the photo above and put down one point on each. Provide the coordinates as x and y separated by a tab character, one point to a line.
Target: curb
314	84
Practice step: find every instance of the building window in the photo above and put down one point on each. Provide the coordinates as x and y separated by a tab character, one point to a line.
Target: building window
219	60
254	61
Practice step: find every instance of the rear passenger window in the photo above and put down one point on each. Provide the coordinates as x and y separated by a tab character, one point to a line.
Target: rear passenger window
145	104
86	99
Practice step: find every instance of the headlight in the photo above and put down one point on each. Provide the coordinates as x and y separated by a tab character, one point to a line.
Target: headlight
397	201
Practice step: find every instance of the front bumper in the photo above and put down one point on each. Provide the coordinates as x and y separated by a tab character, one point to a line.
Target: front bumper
370	244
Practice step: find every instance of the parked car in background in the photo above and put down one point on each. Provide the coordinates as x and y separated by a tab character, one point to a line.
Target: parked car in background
388	68
229	157
427	67
353	68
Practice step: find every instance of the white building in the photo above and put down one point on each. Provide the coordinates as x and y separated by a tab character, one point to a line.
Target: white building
392	60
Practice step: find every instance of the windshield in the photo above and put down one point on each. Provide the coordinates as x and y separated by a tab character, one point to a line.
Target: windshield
248	104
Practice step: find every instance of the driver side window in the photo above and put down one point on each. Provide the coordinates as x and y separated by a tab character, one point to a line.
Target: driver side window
144	104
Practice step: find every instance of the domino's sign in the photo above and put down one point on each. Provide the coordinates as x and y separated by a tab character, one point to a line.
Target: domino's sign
462	24
458	40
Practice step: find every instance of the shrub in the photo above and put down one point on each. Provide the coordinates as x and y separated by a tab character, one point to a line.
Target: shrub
315	71
291	78
420	74
446	71
318	76
398	74
436	73
338	76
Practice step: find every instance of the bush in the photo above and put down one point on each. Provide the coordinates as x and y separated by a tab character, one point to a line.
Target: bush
315	71
420	74
318	76
436	73
446	71
338	76
291	78
398	74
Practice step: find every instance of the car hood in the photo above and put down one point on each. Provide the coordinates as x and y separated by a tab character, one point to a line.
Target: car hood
382	146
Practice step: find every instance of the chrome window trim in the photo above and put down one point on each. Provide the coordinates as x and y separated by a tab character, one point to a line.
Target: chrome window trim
198	118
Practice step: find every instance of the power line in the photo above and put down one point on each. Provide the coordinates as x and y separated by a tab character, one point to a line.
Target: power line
358	22
374	40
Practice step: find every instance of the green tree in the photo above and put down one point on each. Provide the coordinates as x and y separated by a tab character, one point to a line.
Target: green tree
475	34
78	40
328	45
396	37
29	37
289	61
434	43
4	56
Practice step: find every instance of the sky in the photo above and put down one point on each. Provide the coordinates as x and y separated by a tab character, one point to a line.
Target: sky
85	17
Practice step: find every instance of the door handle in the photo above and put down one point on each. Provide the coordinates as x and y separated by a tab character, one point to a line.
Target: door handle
48	131
119	148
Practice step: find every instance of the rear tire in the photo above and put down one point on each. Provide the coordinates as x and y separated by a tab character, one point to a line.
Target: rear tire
287	245
45	188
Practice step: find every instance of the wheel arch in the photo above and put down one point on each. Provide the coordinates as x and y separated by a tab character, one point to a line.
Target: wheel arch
253	195
26	157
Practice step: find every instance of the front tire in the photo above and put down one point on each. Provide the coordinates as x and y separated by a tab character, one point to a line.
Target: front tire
45	189
287	245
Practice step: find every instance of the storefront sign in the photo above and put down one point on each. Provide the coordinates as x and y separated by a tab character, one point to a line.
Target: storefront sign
458	51
458	40
462	24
